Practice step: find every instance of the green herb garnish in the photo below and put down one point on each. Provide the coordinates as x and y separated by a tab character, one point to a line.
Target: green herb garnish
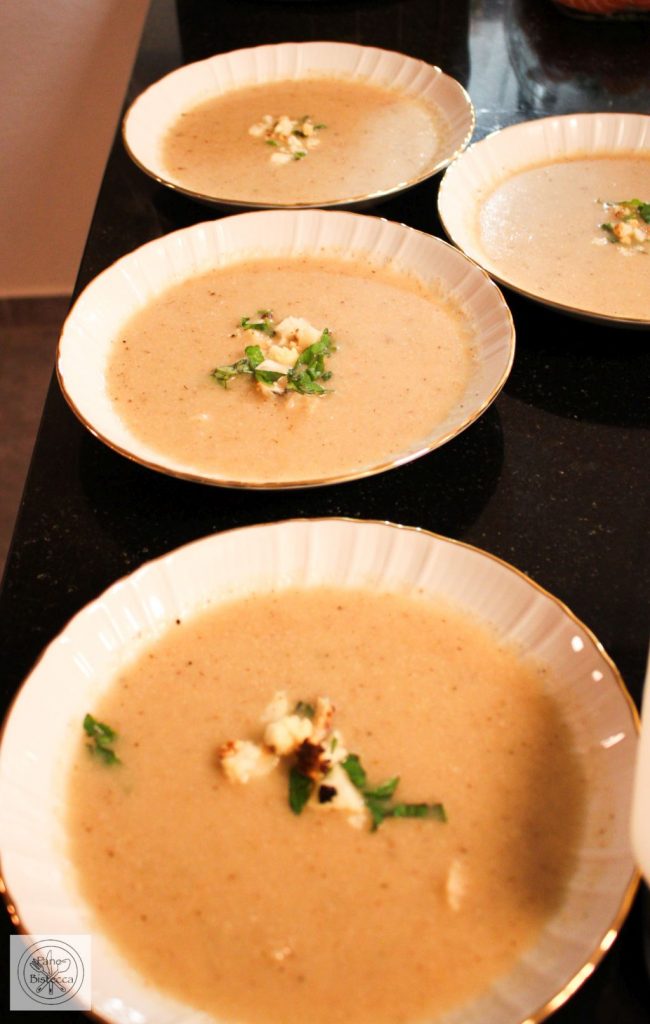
307	117
355	770
384	791
304	377
627	211
310	367
436	811
273	131
264	324
102	737
223	374
377	799
638	208
300	789
302	708
253	357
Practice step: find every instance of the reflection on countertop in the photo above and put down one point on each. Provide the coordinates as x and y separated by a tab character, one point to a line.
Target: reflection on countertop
563	64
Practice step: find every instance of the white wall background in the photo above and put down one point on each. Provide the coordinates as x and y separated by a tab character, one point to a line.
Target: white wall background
64	66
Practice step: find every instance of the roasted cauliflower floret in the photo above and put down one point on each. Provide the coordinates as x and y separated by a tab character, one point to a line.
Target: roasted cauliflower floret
242	760
287	734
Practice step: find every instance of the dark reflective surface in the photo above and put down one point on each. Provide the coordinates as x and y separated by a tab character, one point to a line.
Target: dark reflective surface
563	65
553	478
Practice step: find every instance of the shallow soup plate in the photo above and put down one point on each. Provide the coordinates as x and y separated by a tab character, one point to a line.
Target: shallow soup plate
97	322
475	184
42	735
155	112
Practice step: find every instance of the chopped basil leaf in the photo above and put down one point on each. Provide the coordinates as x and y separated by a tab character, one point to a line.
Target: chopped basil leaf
376	799
300	789
377	812
310	367
304	385
403	810
99	731
302	708
268	376
102	737
644	212
438	811
223	374
105	754
272	142
263	325
383	792
299	154
356	772
314	354
254	355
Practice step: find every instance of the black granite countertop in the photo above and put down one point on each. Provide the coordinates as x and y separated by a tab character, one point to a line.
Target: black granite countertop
553	477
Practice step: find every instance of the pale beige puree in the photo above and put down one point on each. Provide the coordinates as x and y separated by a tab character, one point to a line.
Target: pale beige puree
375	138
223	897
403	360
540	230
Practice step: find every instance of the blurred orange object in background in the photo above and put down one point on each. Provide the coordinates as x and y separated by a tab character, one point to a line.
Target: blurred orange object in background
605	8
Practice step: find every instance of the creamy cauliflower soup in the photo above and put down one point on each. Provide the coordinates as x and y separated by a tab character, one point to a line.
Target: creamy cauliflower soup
555	230
373	361
223	892
310	141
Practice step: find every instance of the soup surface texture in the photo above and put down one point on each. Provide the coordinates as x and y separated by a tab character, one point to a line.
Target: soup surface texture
541	231
373	139
403	359
222	896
